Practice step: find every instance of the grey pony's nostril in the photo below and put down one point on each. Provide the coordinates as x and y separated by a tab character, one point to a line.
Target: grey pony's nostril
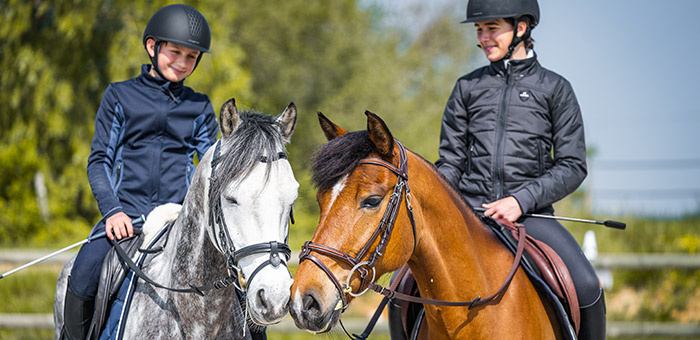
261	298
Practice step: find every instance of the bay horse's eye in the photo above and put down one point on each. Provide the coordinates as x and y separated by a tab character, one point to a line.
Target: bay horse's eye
231	200
371	202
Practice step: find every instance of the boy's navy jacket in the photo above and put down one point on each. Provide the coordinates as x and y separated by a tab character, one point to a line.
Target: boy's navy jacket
147	131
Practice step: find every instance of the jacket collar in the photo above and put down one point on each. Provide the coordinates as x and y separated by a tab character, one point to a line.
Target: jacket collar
519	66
166	85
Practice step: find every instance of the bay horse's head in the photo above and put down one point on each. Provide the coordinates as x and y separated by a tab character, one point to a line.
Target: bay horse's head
365	227
248	205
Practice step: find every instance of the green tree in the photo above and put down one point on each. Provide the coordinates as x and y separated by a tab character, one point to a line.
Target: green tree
58	58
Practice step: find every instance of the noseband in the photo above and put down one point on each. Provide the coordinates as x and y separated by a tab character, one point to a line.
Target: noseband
233	256
385	227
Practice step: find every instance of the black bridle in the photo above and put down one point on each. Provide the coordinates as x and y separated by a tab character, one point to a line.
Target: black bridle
225	243
233	255
385	228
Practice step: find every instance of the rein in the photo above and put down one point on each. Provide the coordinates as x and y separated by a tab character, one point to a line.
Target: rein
385	227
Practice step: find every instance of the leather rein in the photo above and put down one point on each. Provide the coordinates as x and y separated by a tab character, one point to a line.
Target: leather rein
385	227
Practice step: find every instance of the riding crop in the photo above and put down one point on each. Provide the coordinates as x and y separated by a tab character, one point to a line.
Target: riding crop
607	223
87	240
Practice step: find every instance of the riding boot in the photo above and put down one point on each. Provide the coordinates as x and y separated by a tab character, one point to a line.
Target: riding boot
77	314
258	335
593	320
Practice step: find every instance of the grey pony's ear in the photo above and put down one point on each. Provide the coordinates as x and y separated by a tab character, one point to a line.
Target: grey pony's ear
287	121
228	118
329	128
380	136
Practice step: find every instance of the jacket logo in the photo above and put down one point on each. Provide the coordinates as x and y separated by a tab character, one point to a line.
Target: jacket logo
524	95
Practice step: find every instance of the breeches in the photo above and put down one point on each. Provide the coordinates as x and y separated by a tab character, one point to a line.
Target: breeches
85	274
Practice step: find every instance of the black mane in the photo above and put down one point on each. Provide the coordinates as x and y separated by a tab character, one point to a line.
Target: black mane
338	158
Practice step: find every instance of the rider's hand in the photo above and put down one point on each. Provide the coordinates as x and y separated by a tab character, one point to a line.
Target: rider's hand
506	208
120	223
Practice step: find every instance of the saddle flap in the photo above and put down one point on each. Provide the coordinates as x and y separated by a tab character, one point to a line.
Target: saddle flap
555	273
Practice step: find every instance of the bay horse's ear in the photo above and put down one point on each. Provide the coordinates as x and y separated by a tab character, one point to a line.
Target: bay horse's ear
287	121
228	117
379	135
331	130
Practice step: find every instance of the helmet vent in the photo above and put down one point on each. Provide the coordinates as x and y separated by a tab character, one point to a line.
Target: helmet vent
195	21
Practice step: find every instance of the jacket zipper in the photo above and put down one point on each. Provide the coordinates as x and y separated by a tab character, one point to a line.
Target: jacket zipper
500	133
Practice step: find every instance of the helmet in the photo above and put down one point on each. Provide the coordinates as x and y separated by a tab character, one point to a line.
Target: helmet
180	24
482	10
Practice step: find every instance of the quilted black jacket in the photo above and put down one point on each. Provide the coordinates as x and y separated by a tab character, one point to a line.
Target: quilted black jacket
513	130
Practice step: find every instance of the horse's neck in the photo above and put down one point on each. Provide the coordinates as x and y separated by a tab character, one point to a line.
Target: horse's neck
456	255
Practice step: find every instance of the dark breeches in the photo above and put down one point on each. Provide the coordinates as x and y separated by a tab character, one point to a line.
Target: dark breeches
558	238
85	273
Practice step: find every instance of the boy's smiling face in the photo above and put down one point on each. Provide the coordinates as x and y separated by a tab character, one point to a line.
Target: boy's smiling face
176	62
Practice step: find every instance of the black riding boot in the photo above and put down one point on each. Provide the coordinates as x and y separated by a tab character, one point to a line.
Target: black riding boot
77	314
593	320
258	335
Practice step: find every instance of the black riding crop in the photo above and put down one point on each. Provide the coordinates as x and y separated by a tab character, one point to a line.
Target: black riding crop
607	223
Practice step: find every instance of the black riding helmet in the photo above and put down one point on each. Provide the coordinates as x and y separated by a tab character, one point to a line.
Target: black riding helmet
483	10
179	24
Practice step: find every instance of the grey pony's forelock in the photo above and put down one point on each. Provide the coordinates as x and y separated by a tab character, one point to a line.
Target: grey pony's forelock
257	135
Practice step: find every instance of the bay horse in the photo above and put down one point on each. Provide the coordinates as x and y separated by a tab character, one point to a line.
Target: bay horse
234	223
362	177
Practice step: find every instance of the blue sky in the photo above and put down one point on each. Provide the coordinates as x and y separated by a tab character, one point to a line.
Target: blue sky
632	64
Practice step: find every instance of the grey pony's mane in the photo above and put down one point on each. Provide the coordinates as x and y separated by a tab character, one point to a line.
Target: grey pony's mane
257	135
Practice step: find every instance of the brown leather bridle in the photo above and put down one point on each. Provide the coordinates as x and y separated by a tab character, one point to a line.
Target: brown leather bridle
385	227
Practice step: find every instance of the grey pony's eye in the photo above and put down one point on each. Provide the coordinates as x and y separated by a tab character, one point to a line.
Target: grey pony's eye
371	202
231	200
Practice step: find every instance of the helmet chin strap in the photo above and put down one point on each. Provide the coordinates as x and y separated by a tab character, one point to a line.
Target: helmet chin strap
516	40
154	58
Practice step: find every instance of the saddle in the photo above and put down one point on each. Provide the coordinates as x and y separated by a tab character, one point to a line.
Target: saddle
544	267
